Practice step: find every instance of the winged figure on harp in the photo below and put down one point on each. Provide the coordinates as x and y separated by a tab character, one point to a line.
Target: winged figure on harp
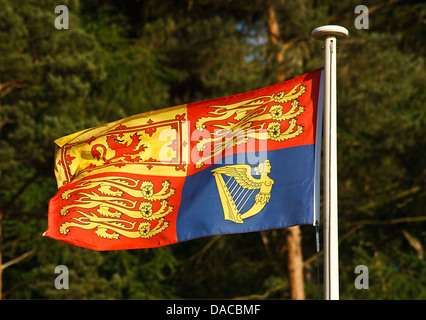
240	186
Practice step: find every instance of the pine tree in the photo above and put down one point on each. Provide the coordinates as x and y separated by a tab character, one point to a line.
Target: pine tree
123	58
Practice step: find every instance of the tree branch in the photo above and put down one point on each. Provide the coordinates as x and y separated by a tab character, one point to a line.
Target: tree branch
359	224
17	259
8	86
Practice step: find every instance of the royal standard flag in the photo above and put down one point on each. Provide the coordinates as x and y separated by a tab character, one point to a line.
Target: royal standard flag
241	163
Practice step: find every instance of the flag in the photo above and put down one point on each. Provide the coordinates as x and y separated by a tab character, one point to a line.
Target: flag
242	163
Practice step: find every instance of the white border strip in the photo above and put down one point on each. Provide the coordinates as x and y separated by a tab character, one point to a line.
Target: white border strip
318	139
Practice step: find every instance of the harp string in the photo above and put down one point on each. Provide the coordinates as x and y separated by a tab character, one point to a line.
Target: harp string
230	184
242	199
239	195
246	199
235	185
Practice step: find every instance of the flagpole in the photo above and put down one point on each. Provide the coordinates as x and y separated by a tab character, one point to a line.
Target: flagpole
329	34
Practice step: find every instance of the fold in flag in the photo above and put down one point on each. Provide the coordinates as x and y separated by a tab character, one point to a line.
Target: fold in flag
242	163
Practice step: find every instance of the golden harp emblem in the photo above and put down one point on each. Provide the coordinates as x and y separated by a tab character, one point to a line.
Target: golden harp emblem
238	186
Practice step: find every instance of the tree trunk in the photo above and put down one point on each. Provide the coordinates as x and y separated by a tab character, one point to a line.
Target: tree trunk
294	236
276	58
295	263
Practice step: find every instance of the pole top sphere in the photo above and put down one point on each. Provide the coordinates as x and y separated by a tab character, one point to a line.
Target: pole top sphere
323	32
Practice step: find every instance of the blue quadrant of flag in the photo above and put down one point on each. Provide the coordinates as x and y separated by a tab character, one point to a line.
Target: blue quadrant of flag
291	201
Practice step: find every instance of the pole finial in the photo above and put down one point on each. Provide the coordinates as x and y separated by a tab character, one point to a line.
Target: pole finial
321	33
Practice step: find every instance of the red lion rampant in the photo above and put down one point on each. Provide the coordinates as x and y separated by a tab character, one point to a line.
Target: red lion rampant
121	148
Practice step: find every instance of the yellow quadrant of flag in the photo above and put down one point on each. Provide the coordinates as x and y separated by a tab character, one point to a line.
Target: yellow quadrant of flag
154	143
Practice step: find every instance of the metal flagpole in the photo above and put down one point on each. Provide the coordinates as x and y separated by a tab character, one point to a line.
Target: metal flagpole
329	34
